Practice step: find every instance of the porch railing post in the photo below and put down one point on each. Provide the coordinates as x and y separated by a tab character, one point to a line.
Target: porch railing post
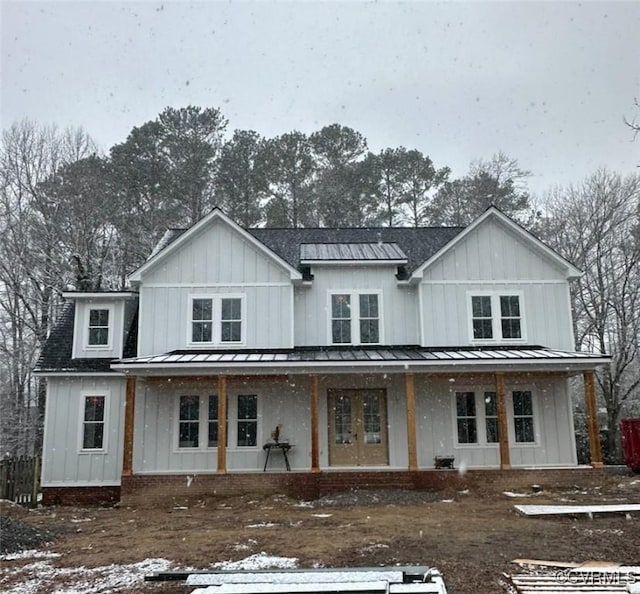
410	392
129	416
592	419
503	428
315	424
222	424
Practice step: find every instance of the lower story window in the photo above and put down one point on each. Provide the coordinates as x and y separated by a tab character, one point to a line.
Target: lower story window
491	417
466	417
93	423
189	422
247	420
523	416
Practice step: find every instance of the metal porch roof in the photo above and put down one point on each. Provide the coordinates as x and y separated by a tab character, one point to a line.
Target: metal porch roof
347	358
338	252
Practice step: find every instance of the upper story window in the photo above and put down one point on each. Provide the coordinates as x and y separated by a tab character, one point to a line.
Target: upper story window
93	419
216	320
98	332
355	318
496	316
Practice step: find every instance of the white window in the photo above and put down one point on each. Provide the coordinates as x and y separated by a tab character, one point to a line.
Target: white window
216	320
98	327
491	417
93	435
247	420
467	422
355	318
523	416
189	422
496	317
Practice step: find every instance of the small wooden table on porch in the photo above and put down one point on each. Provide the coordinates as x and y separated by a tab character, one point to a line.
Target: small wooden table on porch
278	446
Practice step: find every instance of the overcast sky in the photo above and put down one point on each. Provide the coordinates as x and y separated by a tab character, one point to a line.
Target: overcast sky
547	83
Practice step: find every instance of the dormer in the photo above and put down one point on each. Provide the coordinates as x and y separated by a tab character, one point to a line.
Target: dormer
102	320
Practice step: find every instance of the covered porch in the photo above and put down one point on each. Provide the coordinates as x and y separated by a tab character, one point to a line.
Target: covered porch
409	381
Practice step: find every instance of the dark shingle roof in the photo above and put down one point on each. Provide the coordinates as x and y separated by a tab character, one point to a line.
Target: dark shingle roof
419	244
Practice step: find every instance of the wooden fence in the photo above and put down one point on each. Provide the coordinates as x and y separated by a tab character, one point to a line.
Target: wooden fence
20	480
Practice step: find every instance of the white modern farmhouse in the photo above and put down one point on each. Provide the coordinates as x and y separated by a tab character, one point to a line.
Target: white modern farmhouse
341	354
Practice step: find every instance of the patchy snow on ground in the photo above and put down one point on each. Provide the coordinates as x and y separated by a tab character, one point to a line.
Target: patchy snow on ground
41	576
31	554
258	561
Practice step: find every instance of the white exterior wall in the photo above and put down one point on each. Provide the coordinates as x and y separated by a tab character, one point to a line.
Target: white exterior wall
493	259
217	261
312	305
437	430
63	462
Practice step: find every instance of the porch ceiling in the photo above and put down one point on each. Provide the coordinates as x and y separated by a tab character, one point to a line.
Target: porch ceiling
358	359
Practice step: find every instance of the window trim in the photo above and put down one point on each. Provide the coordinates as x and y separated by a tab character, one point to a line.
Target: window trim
84	394
216	323
496	317
87	318
354	295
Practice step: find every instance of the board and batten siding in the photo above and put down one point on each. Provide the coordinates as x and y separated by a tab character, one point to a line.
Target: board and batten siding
216	261
312	304
494	259
437	427
63	462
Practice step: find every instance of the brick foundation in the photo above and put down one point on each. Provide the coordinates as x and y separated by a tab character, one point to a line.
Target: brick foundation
175	489
145	490
80	495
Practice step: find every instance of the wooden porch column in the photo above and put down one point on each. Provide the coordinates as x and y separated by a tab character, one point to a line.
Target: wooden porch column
315	423
592	419
410	392
129	414
503	428
222	424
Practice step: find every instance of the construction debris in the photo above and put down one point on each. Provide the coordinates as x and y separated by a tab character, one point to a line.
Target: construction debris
383	580
572	510
557	577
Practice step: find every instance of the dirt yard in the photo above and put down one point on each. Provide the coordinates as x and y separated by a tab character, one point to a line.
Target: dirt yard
472	537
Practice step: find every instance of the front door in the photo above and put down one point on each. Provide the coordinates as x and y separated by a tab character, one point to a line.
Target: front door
358	428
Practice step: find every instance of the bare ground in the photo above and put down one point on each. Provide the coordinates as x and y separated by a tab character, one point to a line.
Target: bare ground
472	537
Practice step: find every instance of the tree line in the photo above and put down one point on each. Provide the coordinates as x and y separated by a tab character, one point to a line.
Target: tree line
72	216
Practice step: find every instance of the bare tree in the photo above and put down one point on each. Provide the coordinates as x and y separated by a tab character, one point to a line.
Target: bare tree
31	268
593	224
